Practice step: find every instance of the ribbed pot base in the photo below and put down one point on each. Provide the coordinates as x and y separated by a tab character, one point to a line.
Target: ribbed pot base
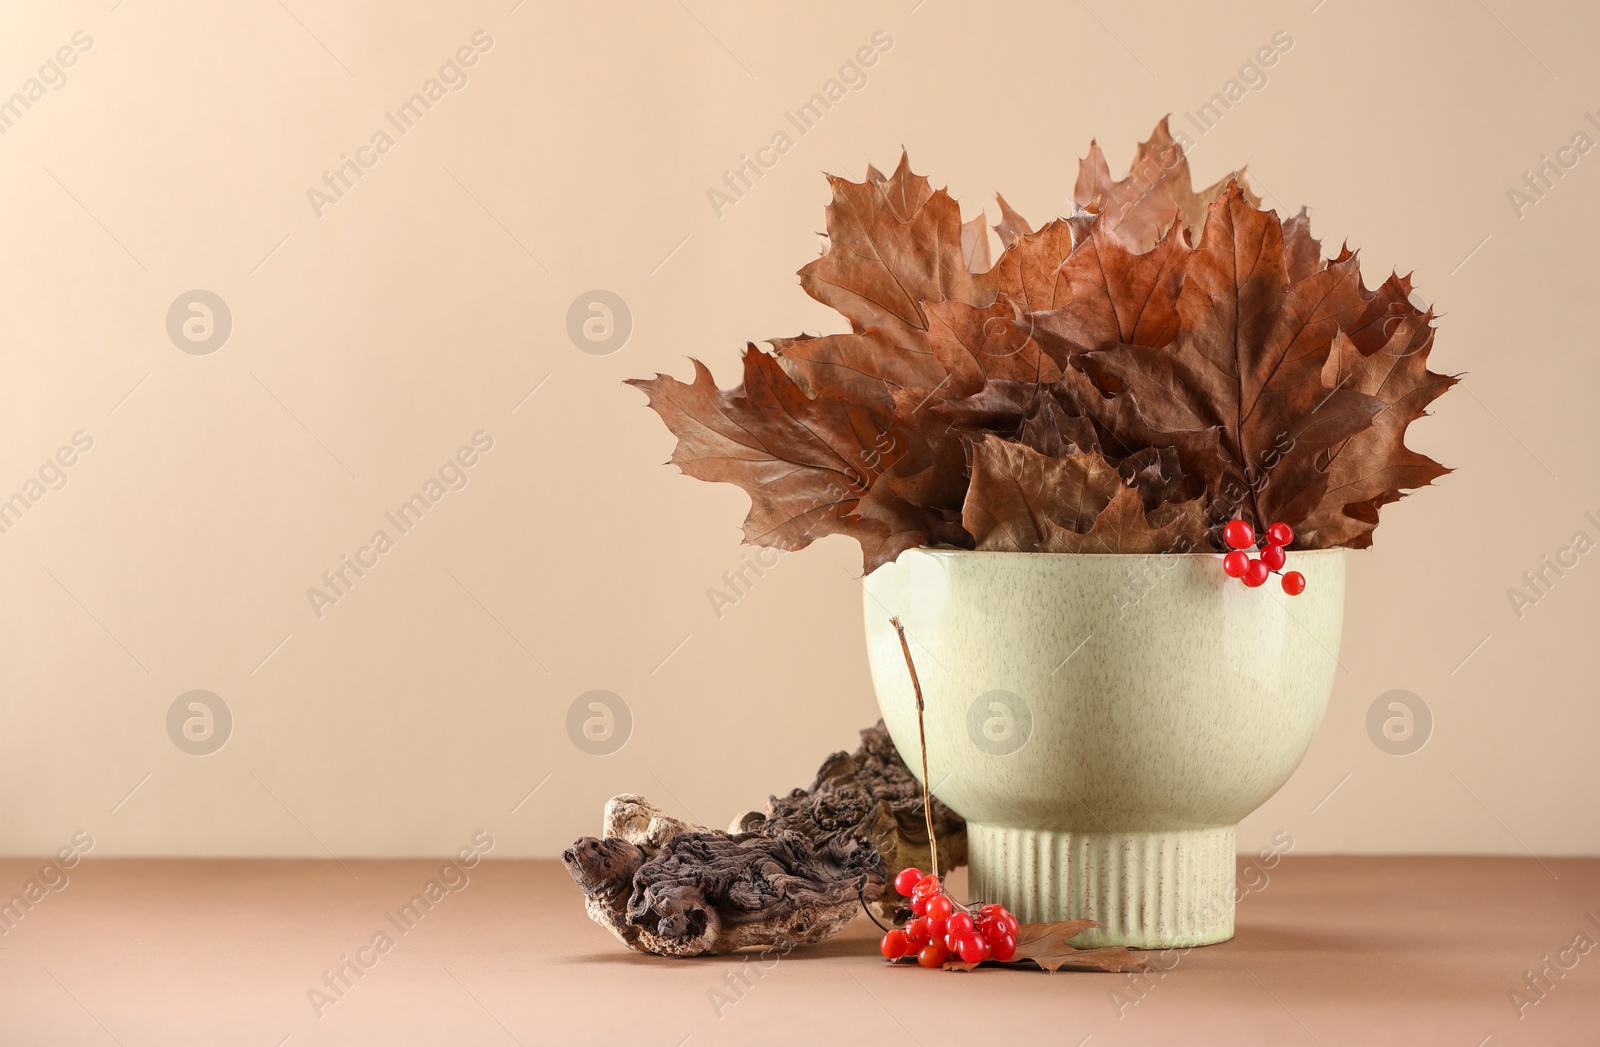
1152	890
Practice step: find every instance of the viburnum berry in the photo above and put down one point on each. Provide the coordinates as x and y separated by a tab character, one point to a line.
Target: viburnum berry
930	883
949	930
907	881
1254	571
972	949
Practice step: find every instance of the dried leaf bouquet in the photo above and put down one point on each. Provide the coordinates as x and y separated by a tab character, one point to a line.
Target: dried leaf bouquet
1126	379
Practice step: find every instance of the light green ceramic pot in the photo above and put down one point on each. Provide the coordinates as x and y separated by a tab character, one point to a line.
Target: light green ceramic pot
1104	722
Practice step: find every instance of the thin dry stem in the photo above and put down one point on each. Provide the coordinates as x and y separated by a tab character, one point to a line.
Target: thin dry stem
922	737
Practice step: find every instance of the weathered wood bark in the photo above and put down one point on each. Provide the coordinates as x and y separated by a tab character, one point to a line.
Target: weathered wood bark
665	887
869	793
791	875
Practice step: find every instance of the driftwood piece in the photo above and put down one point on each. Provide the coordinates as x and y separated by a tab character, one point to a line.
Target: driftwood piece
869	793
665	887
791	875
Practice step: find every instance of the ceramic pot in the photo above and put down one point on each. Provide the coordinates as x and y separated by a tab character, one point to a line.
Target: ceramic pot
1104	722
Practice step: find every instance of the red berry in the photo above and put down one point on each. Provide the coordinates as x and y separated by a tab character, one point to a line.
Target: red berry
1239	535
973	949
1256	574
1279	534
1294	583
932	955
917	934
959	924
906	882
1273	556
894	945
919	904
1012	926
1004	949
1234	563
937	928
992	931
940	907
930	883
991	908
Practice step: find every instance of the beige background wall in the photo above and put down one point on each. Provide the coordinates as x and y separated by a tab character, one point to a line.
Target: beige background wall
370	342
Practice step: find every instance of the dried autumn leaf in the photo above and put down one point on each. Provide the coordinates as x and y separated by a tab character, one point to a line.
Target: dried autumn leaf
1050	430
1114	296
892	245
1011	226
1248	361
1375	465
866	366
1018	497
975	245
1029	271
1050	418
812	466
1155	472
1122	527
1386	306
1302	251
974	345
1157	190
942	485
1045	944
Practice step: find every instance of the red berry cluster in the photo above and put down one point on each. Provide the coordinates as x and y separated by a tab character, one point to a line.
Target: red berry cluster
1254	571
944	928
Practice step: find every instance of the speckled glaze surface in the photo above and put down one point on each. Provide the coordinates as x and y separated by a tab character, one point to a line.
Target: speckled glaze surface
1104	722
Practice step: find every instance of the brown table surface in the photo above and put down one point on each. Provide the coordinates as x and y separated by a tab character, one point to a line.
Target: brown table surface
1329	950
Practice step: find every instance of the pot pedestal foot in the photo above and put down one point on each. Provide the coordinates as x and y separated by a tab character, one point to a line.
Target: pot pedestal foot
1148	890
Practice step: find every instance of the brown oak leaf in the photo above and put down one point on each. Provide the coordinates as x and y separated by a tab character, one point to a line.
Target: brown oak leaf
1018	497
1113	295
1157	190
1029	270
1248	361
1011	226
892	245
1122	527
1302	251
1046	945
1374	465
975	245
864	366
974	345
811	465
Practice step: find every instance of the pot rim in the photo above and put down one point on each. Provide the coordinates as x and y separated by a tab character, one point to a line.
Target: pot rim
951	552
